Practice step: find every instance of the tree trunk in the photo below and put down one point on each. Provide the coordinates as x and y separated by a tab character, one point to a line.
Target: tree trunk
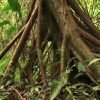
65	32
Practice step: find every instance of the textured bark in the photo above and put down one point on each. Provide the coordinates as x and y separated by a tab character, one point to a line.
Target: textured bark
38	42
66	22
85	18
64	53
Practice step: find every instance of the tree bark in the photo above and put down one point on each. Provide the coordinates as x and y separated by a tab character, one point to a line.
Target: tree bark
67	25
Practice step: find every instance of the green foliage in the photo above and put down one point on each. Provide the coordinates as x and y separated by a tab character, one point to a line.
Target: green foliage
93	61
58	84
5	9
33	92
4	61
17	75
96	88
5	22
10	31
15	6
91	7
69	97
81	67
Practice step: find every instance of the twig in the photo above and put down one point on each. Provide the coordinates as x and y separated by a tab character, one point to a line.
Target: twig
21	98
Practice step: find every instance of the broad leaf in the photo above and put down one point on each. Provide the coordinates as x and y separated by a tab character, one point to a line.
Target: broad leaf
81	67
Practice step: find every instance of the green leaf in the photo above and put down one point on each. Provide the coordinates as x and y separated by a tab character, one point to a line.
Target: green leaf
81	67
5	9
15	6
5	22
96	88
78	75
10	31
69	97
93	61
58	84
